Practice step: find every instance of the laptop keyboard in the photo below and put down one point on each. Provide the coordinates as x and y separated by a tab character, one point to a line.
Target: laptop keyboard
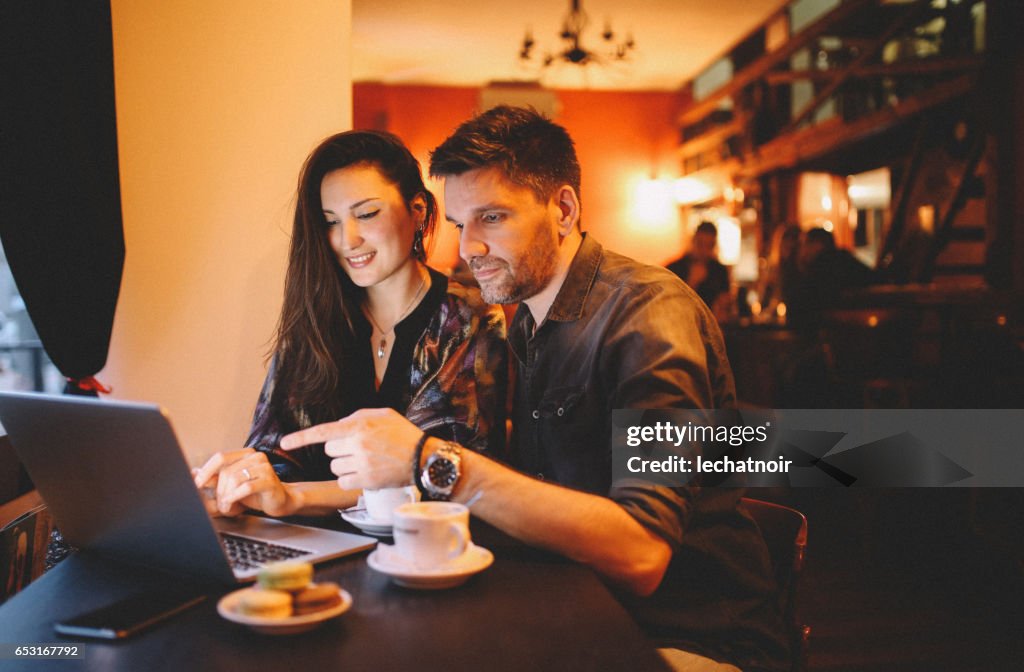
246	553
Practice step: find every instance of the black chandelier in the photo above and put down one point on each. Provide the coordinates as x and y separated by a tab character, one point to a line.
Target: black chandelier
573	50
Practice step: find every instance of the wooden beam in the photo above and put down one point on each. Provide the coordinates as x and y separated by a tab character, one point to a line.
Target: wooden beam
712	138
901	196
758	68
956	204
717	175
841	75
790	150
924	66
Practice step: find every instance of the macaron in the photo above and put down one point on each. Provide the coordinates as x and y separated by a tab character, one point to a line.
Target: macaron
265	603
290	575
316	597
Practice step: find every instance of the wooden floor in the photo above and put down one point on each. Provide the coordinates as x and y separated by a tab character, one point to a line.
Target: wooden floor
911	580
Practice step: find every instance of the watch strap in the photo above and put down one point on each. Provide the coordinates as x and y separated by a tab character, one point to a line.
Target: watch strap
417	457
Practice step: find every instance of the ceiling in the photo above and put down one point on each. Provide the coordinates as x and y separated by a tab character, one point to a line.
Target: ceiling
471	42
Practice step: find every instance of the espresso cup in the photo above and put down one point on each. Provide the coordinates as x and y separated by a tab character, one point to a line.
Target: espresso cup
381	504
431	534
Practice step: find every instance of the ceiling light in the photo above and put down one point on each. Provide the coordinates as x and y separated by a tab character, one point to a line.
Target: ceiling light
572	50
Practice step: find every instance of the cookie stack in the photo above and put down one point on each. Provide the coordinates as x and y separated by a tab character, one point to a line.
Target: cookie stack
285	589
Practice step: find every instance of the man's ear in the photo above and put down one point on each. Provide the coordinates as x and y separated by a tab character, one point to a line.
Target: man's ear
568	203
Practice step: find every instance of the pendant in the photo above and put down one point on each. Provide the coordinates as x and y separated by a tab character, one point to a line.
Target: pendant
380	348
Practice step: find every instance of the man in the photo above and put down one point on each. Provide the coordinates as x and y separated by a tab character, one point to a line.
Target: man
594	331
701	270
825	272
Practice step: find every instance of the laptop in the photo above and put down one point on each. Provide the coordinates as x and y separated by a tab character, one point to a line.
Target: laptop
117	483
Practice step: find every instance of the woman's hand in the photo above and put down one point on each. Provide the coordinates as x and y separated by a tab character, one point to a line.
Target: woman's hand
243	479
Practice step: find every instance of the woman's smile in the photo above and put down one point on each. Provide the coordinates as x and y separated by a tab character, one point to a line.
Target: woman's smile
361	260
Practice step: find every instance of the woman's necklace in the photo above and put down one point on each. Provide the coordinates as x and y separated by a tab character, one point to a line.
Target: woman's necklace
382	346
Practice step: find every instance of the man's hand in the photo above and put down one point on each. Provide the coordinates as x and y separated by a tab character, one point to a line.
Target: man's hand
371	449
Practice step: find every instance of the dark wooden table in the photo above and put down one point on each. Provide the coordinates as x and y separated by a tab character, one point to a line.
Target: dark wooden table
529	611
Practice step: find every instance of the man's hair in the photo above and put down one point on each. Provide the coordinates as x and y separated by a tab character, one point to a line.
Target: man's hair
707	228
821	237
531	150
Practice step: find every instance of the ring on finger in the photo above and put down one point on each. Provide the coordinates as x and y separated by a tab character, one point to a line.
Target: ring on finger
248	476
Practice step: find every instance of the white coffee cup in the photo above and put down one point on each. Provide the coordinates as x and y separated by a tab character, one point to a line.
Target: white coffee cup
381	504
431	534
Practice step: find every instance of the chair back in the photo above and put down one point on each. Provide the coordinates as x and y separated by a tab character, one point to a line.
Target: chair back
785	534
25	527
14	480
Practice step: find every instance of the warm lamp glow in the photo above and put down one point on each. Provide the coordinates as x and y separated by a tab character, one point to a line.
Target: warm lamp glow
729	238
689	190
652	204
926	217
870	190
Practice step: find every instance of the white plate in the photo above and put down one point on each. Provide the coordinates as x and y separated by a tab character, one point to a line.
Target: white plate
378	528
386	560
227	607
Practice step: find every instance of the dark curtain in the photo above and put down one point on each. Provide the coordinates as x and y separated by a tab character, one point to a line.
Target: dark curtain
60	204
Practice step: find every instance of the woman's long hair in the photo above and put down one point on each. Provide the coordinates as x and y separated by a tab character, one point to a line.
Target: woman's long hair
315	334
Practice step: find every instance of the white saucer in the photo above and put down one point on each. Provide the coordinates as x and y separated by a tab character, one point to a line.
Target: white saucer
386	560
227	607
362	520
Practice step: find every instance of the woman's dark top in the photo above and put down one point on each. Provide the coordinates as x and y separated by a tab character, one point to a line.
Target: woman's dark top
446	374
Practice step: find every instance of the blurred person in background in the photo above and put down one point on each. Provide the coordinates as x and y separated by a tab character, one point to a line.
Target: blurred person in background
701	270
781	272
825	271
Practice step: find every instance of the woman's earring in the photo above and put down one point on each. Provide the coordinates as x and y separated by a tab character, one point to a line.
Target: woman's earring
417	243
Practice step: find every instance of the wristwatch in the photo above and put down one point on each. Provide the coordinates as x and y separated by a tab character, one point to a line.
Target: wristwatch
441	472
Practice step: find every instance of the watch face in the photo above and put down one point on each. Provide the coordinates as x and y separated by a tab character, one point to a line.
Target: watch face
442	473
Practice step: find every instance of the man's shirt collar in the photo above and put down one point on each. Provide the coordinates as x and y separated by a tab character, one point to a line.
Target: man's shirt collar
568	303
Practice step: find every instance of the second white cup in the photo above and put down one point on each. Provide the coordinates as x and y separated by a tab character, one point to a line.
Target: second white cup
431	534
381	504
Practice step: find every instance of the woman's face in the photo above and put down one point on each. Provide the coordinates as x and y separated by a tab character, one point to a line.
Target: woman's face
370	228
788	244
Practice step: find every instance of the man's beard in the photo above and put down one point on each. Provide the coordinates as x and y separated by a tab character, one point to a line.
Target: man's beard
533	271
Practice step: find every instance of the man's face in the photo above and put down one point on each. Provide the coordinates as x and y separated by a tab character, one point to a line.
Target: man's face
508	238
703	246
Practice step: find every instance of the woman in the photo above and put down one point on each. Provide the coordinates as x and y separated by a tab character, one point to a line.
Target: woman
365	324
780	274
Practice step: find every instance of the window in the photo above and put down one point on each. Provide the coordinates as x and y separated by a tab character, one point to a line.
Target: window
24	364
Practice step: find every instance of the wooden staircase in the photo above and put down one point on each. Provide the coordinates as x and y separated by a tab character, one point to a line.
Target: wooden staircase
895	85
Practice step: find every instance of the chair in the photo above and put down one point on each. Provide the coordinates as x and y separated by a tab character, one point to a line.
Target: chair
785	533
25	527
14	480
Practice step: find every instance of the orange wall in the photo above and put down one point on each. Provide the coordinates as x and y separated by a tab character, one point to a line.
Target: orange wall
217	106
621	138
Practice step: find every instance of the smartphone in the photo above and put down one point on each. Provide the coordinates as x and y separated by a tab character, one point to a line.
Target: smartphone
129	616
